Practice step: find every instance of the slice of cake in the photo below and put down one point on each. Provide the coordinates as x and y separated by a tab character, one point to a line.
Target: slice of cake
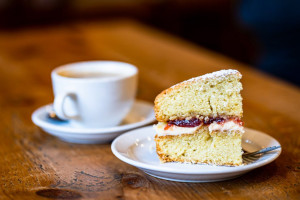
199	120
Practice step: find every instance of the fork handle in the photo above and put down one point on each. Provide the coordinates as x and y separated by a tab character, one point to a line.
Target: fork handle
264	150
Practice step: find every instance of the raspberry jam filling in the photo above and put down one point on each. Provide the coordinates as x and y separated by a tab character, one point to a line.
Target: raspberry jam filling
193	122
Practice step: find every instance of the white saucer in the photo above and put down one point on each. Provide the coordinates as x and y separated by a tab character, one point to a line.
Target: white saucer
137	148
141	114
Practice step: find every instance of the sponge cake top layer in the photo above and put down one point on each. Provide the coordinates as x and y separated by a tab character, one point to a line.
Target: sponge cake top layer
215	94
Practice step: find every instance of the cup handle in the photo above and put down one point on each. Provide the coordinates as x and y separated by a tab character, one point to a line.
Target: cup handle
58	105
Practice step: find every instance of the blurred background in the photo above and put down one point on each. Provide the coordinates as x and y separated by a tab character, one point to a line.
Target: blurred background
264	34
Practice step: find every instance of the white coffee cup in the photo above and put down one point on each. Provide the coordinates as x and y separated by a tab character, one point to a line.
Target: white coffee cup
94	94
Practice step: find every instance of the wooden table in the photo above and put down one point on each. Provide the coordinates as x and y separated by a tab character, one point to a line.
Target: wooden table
35	165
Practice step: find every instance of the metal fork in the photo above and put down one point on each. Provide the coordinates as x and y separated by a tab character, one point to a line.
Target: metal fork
249	157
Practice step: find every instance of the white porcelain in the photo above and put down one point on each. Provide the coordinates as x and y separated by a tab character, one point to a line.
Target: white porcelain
98	101
141	114
137	148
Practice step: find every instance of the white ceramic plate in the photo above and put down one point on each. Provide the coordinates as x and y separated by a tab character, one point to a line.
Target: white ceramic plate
137	148
141	114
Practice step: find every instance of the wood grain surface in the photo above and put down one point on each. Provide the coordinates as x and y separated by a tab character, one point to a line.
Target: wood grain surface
35	165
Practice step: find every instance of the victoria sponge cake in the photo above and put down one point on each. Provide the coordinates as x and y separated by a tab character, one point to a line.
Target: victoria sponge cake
200	120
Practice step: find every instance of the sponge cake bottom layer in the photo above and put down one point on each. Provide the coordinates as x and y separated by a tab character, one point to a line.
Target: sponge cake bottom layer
218	148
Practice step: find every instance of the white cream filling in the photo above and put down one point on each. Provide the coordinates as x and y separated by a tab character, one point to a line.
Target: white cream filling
227	126
177	130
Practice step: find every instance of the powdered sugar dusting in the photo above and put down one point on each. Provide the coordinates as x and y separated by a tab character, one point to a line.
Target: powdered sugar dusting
218	74
221	73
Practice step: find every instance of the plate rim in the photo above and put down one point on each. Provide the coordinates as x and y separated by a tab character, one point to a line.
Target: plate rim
229	169
68	130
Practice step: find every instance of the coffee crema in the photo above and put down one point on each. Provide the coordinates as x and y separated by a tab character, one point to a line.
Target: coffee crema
87	74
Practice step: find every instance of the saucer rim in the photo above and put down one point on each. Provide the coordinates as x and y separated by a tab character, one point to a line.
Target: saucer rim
78	130
170	170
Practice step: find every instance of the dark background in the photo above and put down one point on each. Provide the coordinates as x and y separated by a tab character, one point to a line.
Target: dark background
262	33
